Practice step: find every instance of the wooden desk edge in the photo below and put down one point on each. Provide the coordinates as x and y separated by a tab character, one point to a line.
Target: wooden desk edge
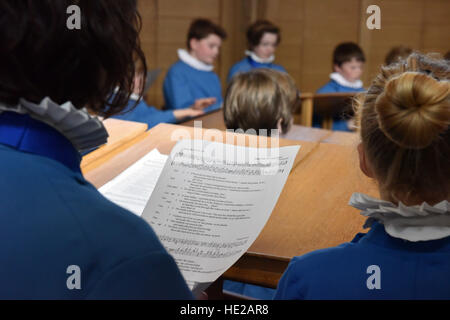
98	162
258	269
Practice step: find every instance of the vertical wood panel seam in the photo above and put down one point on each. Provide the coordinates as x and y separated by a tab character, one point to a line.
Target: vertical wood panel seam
423	26
302	49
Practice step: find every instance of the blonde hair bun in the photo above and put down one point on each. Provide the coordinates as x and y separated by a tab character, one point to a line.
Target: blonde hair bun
414	109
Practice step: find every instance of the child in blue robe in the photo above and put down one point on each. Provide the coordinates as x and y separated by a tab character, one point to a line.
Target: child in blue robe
348	62
263	38
61	238
191	81
138	110
404	127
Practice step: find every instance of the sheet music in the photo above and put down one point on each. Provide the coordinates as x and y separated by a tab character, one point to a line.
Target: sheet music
208	207
133	187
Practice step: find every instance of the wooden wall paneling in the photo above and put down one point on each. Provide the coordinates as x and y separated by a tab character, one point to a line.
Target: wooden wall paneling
148	38
189	8
288	15
234	20
327	23
401	24
436	28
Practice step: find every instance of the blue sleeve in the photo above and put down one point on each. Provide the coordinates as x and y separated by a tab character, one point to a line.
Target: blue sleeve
233	70
156	116
215	90
327	88
241	66
151	276
177	92
289	287
146	114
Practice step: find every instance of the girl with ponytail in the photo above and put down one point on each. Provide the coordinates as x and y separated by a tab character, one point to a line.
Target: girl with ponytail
404	123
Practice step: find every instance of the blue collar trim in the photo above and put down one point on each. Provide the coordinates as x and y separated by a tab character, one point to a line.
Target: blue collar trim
26	134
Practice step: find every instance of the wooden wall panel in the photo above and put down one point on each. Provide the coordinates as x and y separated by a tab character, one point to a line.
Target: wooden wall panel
436	30
327	23
189	8
401	24
148	38
288	16
310	31
234	18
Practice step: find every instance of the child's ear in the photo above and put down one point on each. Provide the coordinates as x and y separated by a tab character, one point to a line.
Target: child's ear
193	43
336	68
279	122
363	164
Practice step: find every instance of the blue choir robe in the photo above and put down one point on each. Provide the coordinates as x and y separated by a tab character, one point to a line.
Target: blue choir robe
184	84
146	114
374	265
60	238
333	87
248	64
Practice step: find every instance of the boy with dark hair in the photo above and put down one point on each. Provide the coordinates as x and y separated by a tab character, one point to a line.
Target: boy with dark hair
191	81
263	38
348	63
202	28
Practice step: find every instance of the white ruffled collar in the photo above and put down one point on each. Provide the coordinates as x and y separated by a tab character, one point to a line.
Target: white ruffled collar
344	82
77	125
413	223
258	59
193	62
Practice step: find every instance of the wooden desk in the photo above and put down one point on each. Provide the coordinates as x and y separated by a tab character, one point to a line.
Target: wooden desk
342	138
122	134
311	213
213	120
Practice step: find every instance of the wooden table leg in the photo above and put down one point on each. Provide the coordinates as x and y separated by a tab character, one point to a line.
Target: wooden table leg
327	123
307	112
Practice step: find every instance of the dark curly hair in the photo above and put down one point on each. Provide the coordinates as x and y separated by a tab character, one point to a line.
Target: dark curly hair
92	67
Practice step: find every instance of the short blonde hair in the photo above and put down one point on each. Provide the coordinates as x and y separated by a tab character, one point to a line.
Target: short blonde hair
404	125
258	99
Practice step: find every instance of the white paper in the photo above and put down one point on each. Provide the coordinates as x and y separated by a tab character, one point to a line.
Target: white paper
212	201
133	187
